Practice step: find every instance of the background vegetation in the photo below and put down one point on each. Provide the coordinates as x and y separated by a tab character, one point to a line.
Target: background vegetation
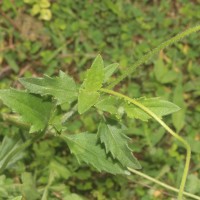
43	36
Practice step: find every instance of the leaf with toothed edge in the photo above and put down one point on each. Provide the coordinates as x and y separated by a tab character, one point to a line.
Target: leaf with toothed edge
117	144
86	148
62	88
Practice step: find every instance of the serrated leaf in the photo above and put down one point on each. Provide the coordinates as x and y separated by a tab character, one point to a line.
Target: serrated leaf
62	88
95	75
86	100
32	109
117	144
156	105
86	148
109	70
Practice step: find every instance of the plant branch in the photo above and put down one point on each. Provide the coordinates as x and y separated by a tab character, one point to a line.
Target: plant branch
153	115
147	56
161	183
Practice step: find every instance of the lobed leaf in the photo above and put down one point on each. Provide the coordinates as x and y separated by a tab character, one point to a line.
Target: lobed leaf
86	148
62	88
156	105
117	144
33	109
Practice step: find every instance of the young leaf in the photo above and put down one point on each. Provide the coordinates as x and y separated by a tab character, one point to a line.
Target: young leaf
86	100
95	75
156	105
117	144
86	148
109	70
62	88
32	109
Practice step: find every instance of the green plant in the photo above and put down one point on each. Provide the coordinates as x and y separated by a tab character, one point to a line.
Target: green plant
44	104
40	8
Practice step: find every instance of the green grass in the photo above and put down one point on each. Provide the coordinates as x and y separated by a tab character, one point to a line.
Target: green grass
122	31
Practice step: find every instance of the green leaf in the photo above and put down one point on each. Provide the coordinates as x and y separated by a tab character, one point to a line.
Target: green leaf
95	75
109	70
56	121
18	198
73	197
117	144
32	109
162	73
178	118
109	104
28	187
194	144
156	105
159	69
7	149
10	59
169	77
88	94
193	184
86	148
86	100
62	88
44	3
45	14
59	170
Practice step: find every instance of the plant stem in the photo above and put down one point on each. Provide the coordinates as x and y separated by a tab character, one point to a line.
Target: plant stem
161	183
147	56
153	115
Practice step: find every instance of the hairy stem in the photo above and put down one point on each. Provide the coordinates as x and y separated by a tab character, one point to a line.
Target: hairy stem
161	183
144	58
153	115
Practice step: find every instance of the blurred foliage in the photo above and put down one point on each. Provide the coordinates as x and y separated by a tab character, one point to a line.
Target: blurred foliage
45	36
